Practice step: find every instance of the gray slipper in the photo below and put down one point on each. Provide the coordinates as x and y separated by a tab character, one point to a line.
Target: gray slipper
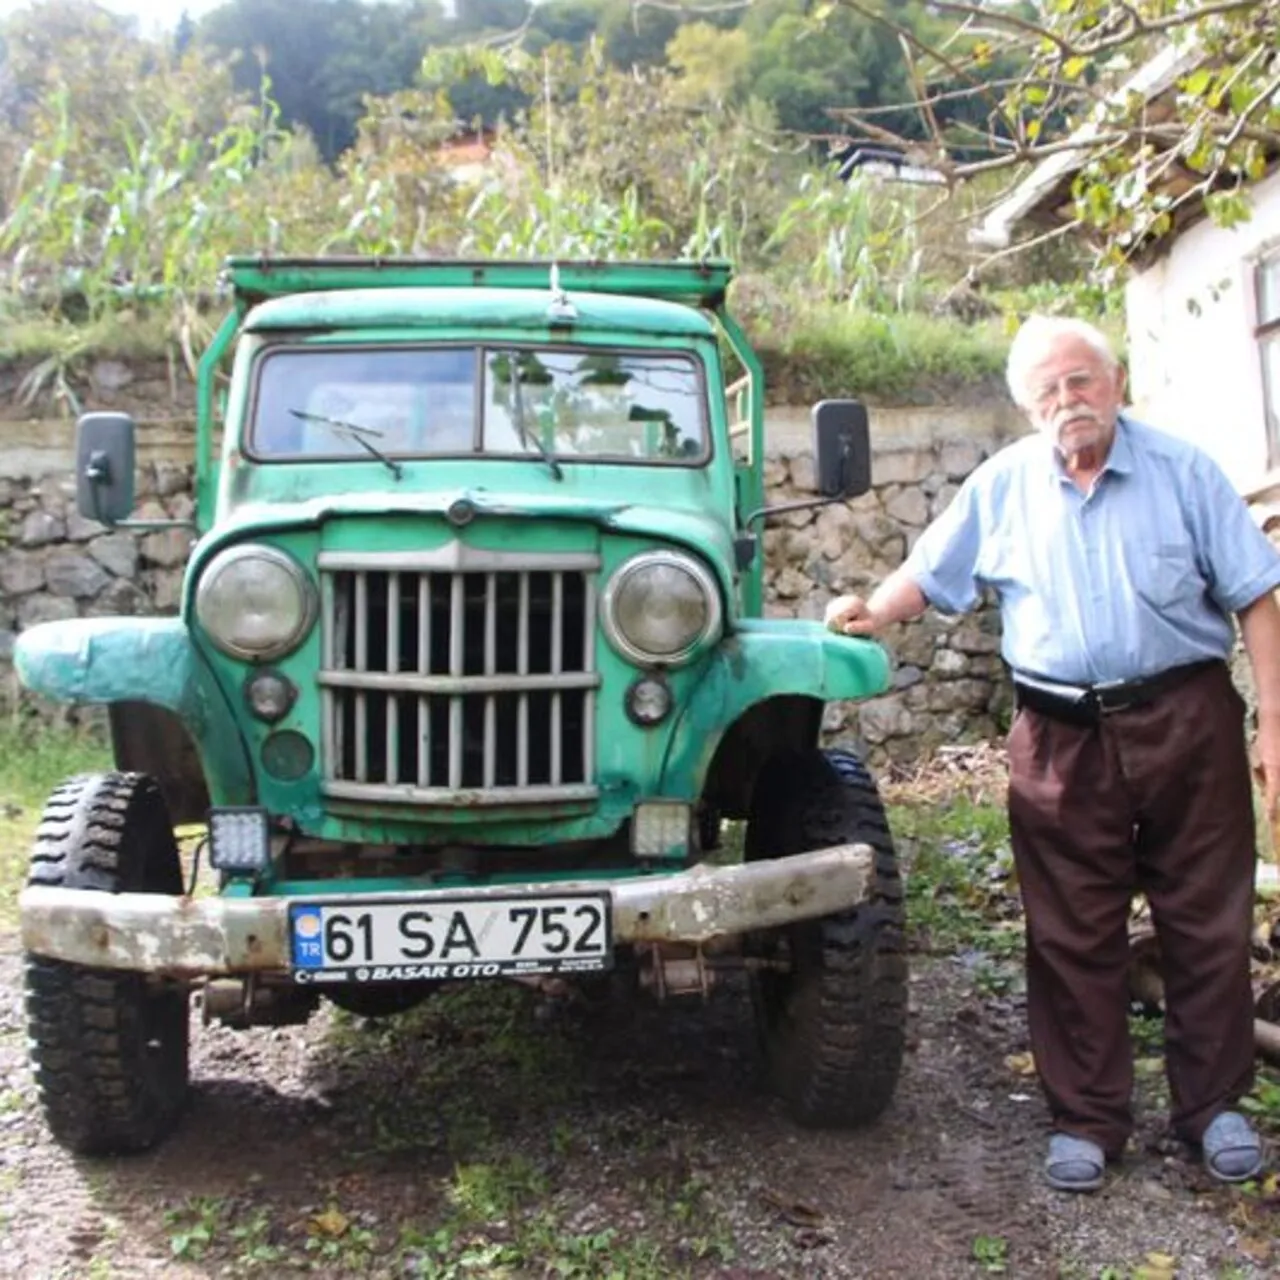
1074	1164
1232	1149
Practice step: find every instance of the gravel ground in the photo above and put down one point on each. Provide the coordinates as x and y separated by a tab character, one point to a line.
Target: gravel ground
629	1141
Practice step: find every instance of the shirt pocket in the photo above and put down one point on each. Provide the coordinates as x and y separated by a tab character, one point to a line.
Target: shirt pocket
1165	573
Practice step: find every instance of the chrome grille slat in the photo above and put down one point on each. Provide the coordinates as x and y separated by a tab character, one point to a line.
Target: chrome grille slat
490	671
522	668
452	686
458	677
589	667
360	620
393	665
557	659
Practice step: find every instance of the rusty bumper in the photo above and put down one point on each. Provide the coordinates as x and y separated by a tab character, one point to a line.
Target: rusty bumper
155	933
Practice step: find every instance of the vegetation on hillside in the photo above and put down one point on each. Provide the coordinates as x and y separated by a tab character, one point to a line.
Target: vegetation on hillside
133	163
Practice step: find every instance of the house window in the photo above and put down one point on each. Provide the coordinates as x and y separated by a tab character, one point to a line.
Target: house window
1268	332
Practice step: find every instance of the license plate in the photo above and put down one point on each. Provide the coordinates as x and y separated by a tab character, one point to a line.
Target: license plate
436	939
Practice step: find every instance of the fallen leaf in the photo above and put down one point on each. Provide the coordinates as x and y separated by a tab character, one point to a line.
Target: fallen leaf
1023	1064
1253	1247
332	1223
1157	1266
796	1212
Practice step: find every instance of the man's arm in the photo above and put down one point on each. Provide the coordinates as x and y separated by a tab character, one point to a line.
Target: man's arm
897	599
1260	628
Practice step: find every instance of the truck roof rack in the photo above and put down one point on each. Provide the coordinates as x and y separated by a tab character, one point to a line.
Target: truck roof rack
255	279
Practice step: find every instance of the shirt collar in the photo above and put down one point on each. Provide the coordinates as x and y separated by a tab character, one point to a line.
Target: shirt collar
1119	460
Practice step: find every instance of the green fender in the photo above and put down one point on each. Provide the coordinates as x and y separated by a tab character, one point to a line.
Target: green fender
766	658
108	660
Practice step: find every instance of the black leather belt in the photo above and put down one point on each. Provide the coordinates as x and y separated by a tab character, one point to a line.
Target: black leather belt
1087	704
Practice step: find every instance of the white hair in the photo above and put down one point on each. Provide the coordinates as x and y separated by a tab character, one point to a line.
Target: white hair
1034	341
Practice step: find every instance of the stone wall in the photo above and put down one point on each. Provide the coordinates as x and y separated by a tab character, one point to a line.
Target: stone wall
948	682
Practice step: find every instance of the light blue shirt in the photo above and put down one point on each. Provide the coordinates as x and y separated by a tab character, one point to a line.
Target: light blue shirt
1140	574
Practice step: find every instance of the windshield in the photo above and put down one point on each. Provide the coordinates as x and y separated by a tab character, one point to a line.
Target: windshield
561	403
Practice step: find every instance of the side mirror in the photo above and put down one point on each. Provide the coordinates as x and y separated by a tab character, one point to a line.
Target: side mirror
841	448
105	466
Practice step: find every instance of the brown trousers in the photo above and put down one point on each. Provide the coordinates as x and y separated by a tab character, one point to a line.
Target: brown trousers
1157	800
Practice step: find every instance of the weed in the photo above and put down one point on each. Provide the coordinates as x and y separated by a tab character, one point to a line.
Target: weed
1263	1103
992	1253
251	1238
484	1191
194	1227
960	884
995	979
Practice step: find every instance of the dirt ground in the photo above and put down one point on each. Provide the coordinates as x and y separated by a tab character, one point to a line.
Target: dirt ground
502	1134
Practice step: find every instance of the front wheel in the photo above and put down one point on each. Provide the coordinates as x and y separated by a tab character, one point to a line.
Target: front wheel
109	1047
830	995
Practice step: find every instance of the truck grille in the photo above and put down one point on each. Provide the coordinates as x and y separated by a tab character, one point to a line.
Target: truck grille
459	677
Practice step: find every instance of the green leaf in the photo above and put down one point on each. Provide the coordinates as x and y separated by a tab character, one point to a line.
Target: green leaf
1197	82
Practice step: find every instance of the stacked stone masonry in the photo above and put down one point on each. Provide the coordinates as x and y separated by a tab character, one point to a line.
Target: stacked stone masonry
948	680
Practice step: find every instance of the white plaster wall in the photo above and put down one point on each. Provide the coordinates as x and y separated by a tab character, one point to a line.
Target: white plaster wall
1195	370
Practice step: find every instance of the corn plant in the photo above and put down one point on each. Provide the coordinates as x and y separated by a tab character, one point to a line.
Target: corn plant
854	241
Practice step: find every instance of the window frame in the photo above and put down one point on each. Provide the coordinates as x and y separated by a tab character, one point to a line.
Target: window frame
483	350
1266	337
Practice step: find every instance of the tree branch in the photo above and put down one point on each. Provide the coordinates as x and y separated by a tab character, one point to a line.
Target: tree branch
1242	121
922	98
997	105
1005	18
1134	27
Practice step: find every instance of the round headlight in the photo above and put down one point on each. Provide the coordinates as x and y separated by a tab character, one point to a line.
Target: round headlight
255	602
660	607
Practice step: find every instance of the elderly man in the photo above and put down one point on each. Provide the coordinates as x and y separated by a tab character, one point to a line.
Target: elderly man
1118	556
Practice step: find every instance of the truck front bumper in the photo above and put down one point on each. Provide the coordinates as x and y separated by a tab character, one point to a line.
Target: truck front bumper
188	937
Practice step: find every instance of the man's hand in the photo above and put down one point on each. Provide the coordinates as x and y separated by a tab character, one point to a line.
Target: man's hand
896	599
851	616
1266	761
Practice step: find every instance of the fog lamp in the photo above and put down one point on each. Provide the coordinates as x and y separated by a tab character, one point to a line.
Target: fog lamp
239	840
648	700
269	695
660	829
288	755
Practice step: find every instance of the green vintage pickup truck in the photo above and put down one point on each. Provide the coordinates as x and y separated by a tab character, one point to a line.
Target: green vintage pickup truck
469	676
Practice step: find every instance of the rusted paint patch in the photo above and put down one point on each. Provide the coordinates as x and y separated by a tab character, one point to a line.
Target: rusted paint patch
153	933
708	903
181	936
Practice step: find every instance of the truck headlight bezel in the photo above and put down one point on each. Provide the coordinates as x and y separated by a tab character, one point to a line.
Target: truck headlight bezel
224	576
628	576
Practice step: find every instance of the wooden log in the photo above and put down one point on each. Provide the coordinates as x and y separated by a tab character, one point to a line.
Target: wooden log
1145	985
1266	1038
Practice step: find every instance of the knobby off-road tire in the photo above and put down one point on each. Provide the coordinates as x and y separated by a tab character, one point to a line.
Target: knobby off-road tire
109	1047
832	1026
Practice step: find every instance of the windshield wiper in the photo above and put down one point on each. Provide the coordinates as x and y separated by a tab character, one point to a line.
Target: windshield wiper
528	437
353	431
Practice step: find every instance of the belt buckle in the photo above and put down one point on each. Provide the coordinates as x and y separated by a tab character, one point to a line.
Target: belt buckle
1106	706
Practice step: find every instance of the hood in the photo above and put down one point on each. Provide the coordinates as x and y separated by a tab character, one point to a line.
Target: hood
695	528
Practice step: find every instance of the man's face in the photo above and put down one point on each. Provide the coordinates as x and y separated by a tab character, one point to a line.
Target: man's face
1074	397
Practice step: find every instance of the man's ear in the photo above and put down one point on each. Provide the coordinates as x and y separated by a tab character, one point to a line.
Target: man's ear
1122	381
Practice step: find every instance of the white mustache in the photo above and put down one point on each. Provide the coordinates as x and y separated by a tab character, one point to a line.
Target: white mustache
1063	416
